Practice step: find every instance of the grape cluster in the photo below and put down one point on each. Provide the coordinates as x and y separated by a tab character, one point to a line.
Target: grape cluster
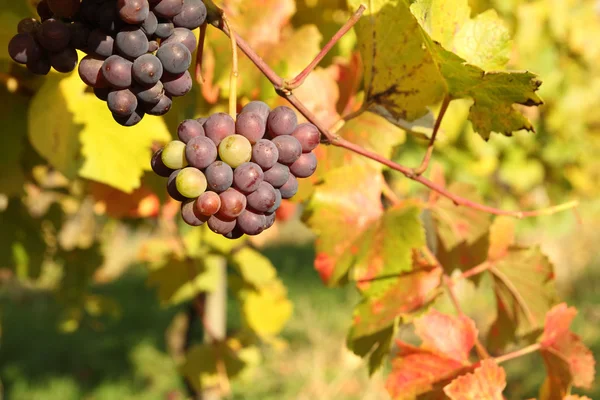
138	51
233	175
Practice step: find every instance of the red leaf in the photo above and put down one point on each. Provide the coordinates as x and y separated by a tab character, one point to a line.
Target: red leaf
487	382
568	361
451	336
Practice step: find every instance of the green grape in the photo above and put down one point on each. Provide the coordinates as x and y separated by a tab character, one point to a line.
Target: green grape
190	182
173	155
235	150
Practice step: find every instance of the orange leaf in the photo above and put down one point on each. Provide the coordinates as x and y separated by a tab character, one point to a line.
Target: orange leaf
142	203
487	382
502	236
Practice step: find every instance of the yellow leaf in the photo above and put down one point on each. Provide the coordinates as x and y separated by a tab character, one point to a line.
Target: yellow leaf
267	311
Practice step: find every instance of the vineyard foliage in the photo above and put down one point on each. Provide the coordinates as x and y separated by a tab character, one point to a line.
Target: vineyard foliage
80	206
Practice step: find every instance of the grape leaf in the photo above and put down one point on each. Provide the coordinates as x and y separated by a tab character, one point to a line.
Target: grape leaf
486	382
76	133
502	236
568	361
376	346
141	203
267	310
13	114
255	268
406	71
423	371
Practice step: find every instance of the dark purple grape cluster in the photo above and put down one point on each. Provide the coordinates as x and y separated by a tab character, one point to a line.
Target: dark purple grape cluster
138	51
233	175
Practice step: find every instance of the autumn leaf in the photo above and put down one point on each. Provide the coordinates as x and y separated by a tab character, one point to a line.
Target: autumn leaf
486	382
266	310
141	203
568	361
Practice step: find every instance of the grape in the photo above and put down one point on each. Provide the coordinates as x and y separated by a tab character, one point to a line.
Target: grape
178	85
277	203
265	154
117	72
151	95
189	216
147	70
218	126
28	25
259	108
90	71
158	166
131	42
247	177
235	150
236	233
220	226
191	182
102	93
207	204
289	149
172	186
290	188
269	220
130	120
54	35
107	18
202	120
152	46
168	8
200	152
251	126
183	36
122	102
308	135
150	24
304	166
233	203
251	223
188	129
64	8
23	49
65	60
100	43
277	175
282	121
173	155
80	34
133	11
175	57
192	15
43	10
164	29
263	198
219	176
161	108
39	67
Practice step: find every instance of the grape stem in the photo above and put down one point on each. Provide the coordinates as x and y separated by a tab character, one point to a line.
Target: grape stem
200	54
438	122
336	140
234	71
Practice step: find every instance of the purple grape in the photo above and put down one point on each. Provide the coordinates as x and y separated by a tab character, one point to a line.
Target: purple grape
233	203
39	67
269	220
220	226
289	149
200	152
168	8
90	71
308	135
149	96
65	60
263	198
172	187
183	36
122	102
164	29
257	107
251	126
192	15
100	43
158	166
282	121
218	126
265	154
64	8
277	204
178	85
23	48
175	57
189	216
304	166
251	223
117	72
247	177
107	18
43	10
54	35
130	120
219	176
131	42
290	188
80	34
152	46
209	203
161	108
147	70
133	11
277	175
28	25
149	25
236	233
189	129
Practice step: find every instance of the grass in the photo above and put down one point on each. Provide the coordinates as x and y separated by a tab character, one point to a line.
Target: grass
126	358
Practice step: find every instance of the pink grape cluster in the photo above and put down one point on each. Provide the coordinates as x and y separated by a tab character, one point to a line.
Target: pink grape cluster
233	175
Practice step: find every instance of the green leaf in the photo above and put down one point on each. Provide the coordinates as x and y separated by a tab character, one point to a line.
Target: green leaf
384	251
13	115
256	269
76	133
406	70
180	280
376	346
